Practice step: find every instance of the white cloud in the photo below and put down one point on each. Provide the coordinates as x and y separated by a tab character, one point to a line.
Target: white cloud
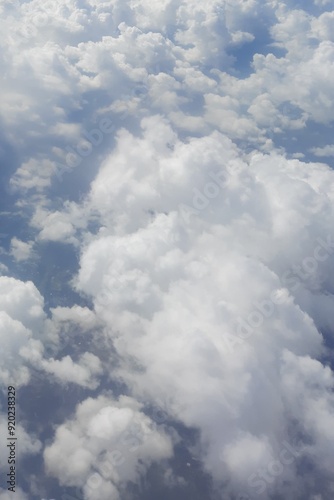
14	336
21	318
189	290
124	48
323	26
83	373
21	250
59	226
308	387
22	301
108	443
67	327
324	151
82	316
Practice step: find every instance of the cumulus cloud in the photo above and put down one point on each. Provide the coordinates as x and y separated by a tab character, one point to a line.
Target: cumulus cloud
21	316
82	373
21	250
22	301
144	58
324	151
108	443
82	316
219	290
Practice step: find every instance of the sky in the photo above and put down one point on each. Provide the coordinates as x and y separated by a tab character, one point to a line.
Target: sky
167	249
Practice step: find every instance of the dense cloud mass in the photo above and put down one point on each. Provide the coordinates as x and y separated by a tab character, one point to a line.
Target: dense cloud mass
168	255
202	287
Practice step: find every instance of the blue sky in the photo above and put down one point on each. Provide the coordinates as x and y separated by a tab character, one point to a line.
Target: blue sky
166	272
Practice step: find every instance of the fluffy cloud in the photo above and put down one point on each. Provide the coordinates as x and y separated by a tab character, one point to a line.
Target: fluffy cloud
21	313
167	59
21	250
29	340
14	336
221	291
324	151
88	367
107	444
22	301
65	370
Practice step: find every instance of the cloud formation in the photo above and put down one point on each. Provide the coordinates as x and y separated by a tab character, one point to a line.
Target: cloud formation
108	443
169	144
207	304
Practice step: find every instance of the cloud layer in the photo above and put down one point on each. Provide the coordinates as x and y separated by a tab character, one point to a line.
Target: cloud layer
174	146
